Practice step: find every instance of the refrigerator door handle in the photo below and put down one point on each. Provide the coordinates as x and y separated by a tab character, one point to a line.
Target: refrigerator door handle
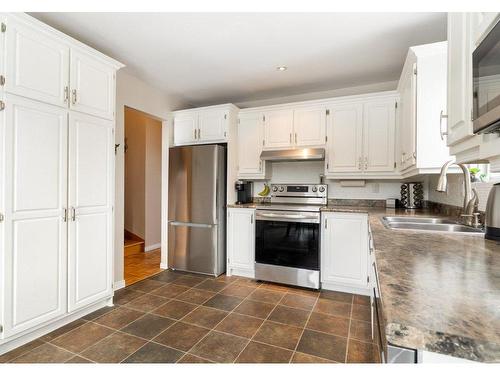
183	224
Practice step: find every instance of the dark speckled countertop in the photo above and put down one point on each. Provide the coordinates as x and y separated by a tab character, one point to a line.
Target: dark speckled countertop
440	292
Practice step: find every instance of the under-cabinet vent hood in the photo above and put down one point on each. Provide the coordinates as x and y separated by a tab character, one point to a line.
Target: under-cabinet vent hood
296	154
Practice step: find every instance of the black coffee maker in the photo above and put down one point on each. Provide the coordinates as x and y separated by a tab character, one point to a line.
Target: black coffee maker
243	191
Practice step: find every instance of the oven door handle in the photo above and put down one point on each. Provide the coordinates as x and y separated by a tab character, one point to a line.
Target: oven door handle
287	217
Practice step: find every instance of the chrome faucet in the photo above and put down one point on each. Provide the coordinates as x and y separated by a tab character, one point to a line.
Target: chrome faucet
471	200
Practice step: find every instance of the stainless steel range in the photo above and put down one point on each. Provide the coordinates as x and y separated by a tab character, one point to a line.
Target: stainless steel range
287	236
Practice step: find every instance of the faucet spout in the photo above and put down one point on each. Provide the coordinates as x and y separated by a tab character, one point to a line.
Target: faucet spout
442	184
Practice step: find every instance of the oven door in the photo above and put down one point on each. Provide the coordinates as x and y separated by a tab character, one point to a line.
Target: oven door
287	238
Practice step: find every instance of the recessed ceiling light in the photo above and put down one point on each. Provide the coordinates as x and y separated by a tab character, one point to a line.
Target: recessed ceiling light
281	68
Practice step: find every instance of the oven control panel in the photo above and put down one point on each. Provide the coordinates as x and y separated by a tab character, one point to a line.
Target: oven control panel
285	190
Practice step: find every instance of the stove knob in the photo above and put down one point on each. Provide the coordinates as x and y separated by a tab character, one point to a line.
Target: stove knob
282	189
321	189
314	189
275	189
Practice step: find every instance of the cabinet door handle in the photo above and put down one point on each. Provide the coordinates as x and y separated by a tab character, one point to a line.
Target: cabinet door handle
73	214
73	96
66	94
65	214
199	133
360	163
366	162
290	137
260	165
194	133
295	138
441	132
251	219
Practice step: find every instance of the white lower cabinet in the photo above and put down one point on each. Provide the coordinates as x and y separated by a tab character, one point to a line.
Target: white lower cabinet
345	252
241	242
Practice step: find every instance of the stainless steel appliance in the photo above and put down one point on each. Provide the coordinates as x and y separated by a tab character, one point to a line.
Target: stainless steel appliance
493	214
196	209
293	154
486	83
287	235
243	192
412	195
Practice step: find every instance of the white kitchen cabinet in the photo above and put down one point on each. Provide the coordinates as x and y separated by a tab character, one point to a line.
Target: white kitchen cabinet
423	96
92	84
345	138
378	135
459	85
91	180
185	129
212	125
360	142
250	142
202	125
241	242
309	126
37	64
345	252
35	187
278	129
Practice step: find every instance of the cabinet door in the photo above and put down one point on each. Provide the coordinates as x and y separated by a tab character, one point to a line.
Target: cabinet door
185	129
241	239
345	139
459	78
378	135
92	85
37	65
91	176
408	117
35	183
278	129
212	125
309	126
344	249
250	138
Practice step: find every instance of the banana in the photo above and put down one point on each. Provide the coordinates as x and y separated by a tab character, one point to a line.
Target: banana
265	191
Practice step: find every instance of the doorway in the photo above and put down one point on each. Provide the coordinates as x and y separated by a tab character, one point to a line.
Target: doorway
143	158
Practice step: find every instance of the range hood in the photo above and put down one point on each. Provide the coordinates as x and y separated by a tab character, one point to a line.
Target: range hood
296	154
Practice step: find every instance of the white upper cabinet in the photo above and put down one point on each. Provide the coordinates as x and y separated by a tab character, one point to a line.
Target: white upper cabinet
345	139
91	182
378	136
309	125
202	125
422	105
35	241
37	65
360	142
250	140
345	252
278	129
185	128
212	125
92	85
459	113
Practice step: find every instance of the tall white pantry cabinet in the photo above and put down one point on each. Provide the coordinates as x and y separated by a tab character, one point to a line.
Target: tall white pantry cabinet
57	104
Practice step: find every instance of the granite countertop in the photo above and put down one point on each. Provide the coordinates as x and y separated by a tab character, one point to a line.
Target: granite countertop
440	292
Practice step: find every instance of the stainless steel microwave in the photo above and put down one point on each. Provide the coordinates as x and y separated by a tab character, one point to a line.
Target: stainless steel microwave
486	83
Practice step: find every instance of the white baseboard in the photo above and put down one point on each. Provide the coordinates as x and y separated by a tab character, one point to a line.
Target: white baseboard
164	266
119	284
152	247
346	288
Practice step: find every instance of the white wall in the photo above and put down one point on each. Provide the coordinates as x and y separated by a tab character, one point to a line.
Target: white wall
153	186
134	93
308	172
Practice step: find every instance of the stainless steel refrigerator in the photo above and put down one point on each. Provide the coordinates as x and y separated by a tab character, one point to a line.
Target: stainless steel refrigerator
196	209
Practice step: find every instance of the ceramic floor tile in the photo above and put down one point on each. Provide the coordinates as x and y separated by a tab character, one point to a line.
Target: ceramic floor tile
196	296
113	349
175	309
219	347
239	325
361	352
82	337
211	285
222	302
63	330
125	295
170	290
361	312
147	286
9	356
188	281
236	290
306	358
361	300
189	358
331	307
119	318
298	301
257	352
205	317
334	325
181	336
78	359
284	336
146	303
45	353
336	296
361	330
148	326
255	308
268	296
323	345
288	315
155	353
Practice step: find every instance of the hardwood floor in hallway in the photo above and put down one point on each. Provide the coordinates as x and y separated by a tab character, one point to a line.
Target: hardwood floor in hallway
141	266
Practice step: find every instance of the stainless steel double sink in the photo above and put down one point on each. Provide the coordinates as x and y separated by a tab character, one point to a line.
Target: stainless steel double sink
432	224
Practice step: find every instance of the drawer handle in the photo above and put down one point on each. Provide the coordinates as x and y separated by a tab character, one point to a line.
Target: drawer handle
441	132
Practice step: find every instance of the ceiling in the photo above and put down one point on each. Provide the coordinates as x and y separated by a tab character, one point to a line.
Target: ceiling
211	58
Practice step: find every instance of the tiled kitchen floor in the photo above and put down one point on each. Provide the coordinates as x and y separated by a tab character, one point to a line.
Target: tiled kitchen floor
185	318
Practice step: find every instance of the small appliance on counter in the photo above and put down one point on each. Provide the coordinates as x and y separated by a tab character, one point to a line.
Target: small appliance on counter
493	214
412	195
243	192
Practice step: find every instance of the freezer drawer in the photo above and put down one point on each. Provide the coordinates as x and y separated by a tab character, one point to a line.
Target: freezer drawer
194	248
